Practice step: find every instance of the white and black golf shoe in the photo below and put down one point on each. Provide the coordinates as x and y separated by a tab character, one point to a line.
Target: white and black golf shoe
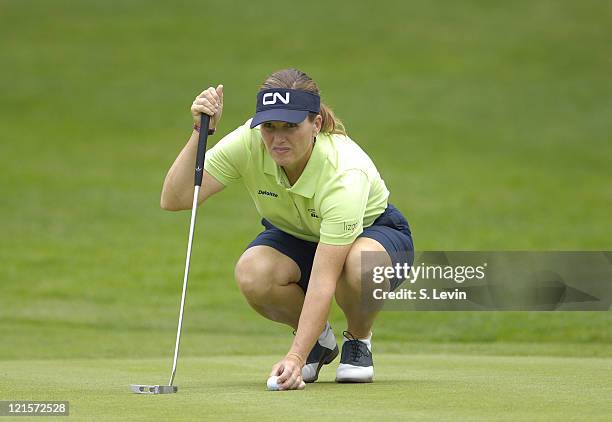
356	364
324	352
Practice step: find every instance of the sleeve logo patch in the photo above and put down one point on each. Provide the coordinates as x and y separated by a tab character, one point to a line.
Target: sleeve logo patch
313	213
350	227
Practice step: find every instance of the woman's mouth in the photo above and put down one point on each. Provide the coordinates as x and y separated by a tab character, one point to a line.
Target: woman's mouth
280	150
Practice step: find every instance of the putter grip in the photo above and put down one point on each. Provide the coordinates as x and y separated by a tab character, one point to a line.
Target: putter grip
199	167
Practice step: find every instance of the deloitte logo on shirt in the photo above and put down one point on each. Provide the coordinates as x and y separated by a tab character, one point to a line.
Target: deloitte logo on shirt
267	193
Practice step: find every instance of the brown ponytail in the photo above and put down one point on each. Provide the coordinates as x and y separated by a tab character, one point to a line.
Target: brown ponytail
296	79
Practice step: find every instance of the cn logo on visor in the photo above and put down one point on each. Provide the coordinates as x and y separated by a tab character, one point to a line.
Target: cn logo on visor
270	98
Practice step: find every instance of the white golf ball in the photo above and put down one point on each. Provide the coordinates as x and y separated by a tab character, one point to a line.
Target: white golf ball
272	384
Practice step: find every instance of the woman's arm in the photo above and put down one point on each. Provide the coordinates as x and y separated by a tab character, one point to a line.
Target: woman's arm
326	270
177	192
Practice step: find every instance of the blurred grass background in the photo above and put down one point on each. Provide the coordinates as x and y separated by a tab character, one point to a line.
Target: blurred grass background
490	122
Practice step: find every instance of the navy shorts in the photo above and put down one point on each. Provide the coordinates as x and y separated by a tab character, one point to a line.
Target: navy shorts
390	229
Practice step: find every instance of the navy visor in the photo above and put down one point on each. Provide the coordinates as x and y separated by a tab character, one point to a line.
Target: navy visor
284	105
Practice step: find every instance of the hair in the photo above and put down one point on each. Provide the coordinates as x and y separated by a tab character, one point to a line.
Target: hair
296	79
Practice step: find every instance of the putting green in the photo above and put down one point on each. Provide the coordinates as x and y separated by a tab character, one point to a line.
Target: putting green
420	387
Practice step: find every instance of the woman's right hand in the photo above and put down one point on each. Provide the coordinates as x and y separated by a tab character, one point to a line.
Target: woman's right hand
210	102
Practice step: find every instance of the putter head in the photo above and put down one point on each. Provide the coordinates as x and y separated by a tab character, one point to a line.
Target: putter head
153	389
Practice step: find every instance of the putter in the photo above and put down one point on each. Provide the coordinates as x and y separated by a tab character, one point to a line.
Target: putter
199	168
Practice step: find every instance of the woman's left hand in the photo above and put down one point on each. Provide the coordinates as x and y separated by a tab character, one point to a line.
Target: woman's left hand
289	372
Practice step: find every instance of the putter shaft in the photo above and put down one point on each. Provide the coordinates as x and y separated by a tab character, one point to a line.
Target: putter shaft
194	209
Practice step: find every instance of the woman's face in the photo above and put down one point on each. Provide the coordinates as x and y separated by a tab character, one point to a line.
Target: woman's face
290	144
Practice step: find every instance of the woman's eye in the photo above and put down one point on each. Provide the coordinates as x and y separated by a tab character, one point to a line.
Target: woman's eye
269	126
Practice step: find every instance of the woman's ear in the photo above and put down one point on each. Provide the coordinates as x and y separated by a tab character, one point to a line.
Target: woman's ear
318	123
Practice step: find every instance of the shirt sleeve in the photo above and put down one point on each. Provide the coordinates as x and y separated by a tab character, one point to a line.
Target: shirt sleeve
343	208
227	160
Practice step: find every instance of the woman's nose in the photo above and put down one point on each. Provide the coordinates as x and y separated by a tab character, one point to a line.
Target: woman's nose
279	137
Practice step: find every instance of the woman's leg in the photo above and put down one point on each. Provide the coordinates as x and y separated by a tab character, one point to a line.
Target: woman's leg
268	279
349	294
356	363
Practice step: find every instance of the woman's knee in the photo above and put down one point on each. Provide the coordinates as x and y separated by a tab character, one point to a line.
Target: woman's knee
259	270
253	276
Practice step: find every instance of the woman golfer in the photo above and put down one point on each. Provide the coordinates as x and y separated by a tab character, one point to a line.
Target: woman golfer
322	203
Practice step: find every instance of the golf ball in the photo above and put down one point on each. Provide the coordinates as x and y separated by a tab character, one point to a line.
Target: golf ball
272	384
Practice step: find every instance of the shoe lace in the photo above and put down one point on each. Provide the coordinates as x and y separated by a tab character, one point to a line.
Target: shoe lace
357	348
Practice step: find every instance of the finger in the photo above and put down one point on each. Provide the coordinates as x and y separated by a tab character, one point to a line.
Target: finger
289	385
214	103
297	382
206	103
220	93
203	109
202	94
214	95
275	370
211	93
284	375
206	99
292	381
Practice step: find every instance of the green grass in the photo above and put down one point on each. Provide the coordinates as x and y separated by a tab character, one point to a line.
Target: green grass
488	120
416	387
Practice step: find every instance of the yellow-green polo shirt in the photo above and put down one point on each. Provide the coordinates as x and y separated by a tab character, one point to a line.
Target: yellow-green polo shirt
338	194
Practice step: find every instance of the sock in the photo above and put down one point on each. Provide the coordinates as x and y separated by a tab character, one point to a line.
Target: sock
367	341
327	339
